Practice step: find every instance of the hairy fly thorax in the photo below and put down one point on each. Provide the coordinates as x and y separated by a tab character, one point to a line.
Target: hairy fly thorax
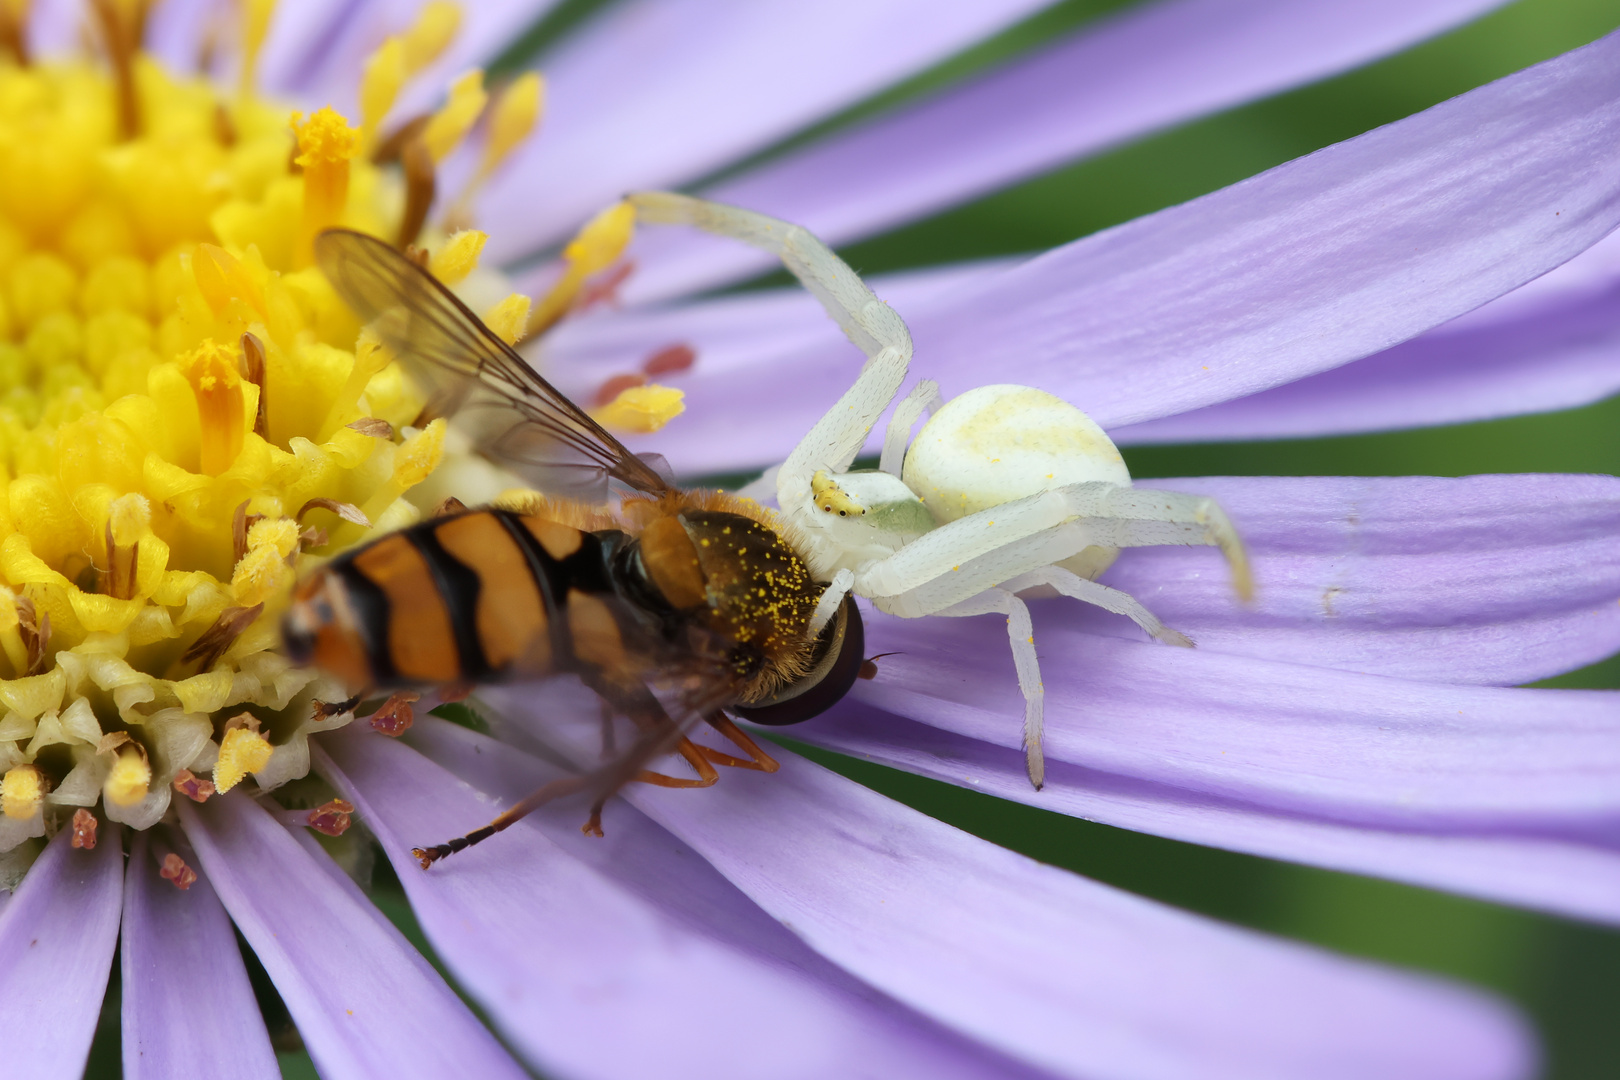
724	560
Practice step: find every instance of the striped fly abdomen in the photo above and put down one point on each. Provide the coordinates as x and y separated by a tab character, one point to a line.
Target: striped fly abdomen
474	597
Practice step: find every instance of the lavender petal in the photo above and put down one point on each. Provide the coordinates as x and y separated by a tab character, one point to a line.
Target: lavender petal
56	945
1337	745
187	1004
1571	878
1551	344
727	334
1306	267
1151	67
731	76
365	1002
1496	580
1071	975
562	955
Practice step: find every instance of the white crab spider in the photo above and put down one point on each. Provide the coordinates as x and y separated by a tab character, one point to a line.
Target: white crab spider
1007	490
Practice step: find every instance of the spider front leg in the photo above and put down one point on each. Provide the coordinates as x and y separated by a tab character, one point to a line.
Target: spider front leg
871	324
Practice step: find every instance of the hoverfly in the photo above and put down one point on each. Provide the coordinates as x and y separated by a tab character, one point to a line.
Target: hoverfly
681	607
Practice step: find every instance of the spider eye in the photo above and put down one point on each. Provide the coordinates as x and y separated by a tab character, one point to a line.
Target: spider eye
840	651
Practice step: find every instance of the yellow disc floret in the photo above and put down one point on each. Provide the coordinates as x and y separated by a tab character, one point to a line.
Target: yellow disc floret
188	416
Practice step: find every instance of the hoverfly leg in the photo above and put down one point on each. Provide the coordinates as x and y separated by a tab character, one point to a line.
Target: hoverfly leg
534	800
610	740
757	758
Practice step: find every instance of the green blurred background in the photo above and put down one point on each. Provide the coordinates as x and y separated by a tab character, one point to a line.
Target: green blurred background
1565	975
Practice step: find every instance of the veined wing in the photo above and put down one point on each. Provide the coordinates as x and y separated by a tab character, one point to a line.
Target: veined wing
514	414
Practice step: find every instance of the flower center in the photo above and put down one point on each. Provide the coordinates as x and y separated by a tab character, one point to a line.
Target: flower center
186	408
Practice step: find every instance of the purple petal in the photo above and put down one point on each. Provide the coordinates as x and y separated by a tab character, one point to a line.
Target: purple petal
1484	579
300	34
728	77
1570	878
1310	740
1153	66
187	1006
728	333
1068	974
56	946
565	954
1303	268
1551	344
365	1002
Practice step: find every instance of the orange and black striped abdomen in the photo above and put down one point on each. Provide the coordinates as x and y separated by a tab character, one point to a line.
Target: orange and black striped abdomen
474	597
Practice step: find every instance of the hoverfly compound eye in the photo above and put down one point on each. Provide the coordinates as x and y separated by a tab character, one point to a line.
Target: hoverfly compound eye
839	653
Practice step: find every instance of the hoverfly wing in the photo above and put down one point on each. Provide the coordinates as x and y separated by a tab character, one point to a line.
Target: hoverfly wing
512	413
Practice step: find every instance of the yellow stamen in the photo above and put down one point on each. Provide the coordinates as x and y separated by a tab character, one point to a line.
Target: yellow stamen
596	247
450	124
21	792
641	409
211	369
458	257
243	751
434	29
326	143
509	318
513	118
255	25
130	779
379	86
419	455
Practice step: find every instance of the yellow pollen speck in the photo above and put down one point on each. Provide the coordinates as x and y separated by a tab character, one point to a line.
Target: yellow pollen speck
641	409
240	753
22	791
130	779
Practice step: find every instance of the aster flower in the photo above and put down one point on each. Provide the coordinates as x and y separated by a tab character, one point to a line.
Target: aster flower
835	932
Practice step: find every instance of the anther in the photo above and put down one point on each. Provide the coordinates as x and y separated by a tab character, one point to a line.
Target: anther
395	716
174	869
347	511
192	786
670	360
253	368
84	829
218	638
371	425
331	818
